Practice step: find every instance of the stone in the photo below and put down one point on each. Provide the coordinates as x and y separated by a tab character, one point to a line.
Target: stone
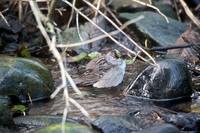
166	9
69	128
155	28
184	121
114	124
40	120
86	32
24	79
164	128
5	117
118	4
170	79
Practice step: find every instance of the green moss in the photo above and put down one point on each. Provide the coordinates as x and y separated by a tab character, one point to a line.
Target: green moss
22	77
69	128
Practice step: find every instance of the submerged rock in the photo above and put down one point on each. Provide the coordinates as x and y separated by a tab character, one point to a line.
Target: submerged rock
155	28
128	123
169	80
184	121
69	128
24	79
39	120
164	128
114	124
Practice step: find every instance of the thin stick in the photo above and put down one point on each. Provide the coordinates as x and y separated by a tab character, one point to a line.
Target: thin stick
72	14
153	7
112	14
113	39
101	36
51	9
190	14
4	19
65	112
104	36
98	7
50	43
79	107
139	47
77	26
64	74
20	10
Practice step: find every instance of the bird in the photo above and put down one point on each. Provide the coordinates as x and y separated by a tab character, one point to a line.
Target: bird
105	71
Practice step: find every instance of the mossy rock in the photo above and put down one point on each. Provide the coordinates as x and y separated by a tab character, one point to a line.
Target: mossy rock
69	128
22	78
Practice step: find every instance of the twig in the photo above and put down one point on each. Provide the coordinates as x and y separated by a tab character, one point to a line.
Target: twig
177	10
51	9
20	10
107	34
77	26
153	7
190	14
98	7
101	36
112	14
138	46
170	47
72	14
4	19
64	74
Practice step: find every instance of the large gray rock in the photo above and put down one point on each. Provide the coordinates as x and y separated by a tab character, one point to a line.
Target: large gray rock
155	28
22	78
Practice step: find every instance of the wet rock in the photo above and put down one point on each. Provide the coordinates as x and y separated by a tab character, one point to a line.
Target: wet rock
9	35
114	124
155	28
5	116
166	9
169	80
39	120
6	130
164	128
121	4
4	100
184	121
190	54
87	31
22	78
69	128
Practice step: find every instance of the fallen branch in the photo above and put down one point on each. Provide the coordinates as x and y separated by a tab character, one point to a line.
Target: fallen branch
51	42
190	14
